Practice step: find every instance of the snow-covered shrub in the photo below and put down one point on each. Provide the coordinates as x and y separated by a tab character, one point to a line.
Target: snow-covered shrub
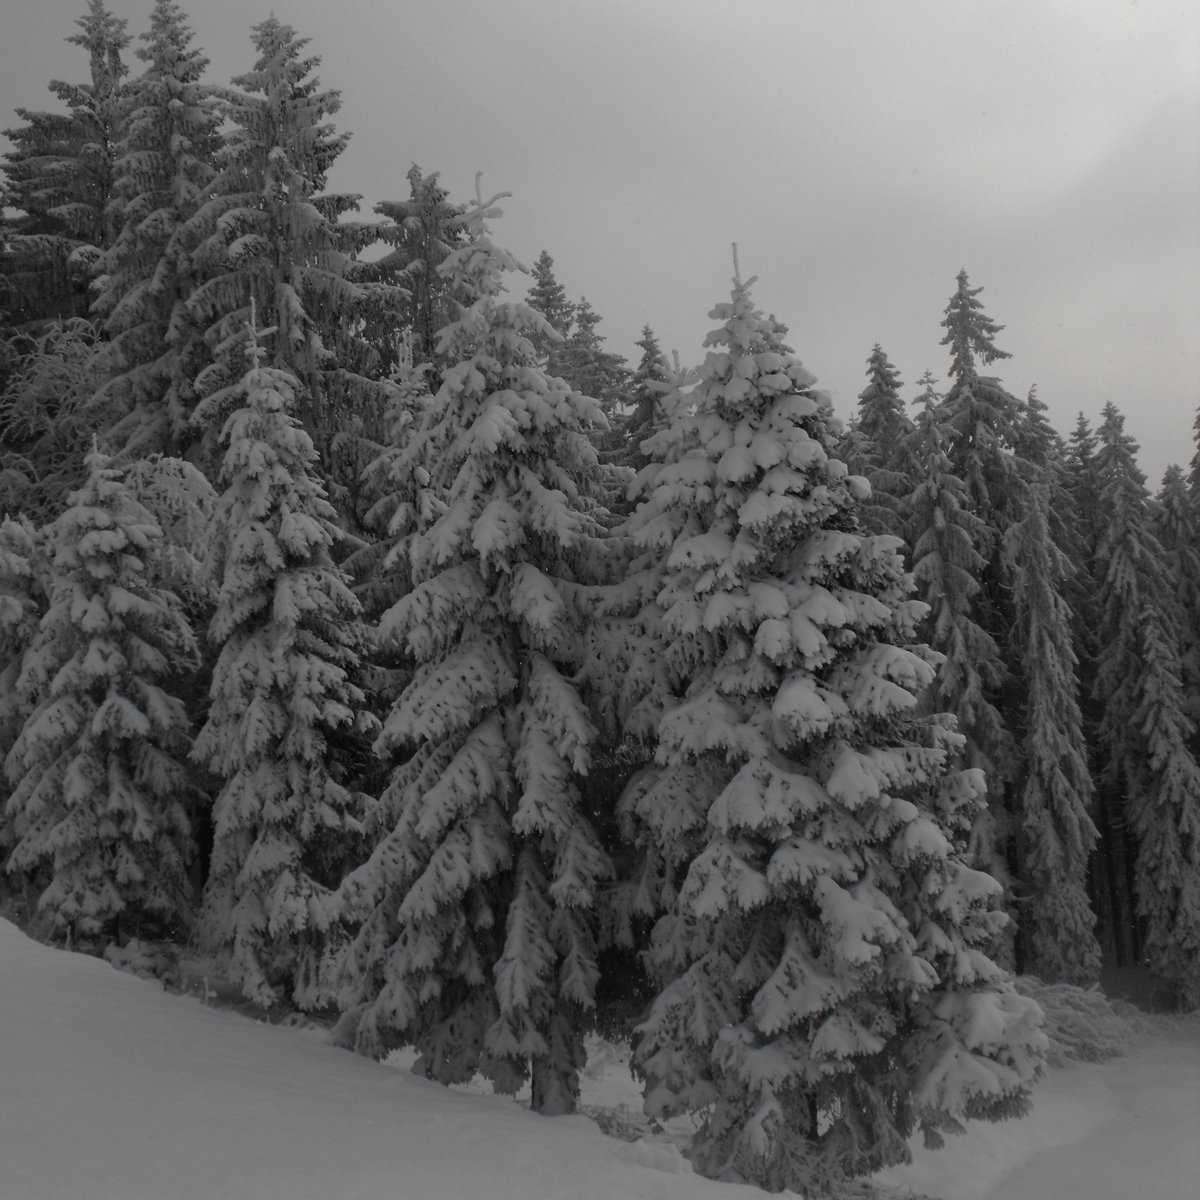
147	960
1081	1024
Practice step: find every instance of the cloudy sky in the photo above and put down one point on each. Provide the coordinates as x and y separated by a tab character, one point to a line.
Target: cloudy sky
860	152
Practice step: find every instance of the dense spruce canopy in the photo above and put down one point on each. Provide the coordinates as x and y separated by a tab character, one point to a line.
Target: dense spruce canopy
163	166
1144	752
541	697
269	234
59	178
881	436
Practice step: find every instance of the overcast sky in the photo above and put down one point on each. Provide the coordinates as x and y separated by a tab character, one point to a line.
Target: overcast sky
860	152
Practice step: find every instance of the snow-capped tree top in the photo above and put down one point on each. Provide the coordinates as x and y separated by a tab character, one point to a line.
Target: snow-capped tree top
499	409
1116	454
881	409
283	77
969	332
1036	440
99	531
739	449
549	296
103	36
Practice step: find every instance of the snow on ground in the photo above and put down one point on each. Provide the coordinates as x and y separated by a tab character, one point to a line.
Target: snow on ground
1128	1129
112	1089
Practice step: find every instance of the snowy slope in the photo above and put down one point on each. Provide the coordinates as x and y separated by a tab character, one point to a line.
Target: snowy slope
111	1089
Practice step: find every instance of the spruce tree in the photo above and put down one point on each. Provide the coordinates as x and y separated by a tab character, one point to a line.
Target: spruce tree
985	420
588	367
268	234
823	980
22	602
397	485
883	431
650	382
1057	833
1083	488
1145	761
477	941
1178	529
100	781
60	178
1111	866
944	532
283	699
427	227
162	170
549	298
985	424
1194	472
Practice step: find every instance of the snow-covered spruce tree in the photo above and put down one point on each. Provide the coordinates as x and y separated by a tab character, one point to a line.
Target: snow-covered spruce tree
267	234
549	298
1083	496
21	604
587	366
401	495
100	780
282	695
1166	821
883	432
1177	524
163	166
943	533
1043	456
1145	760
403	338
477	941
1194	472
985	424
426	227
648	385
1057	834
59	177
636	672
181	500
824	987
397	483
1112	877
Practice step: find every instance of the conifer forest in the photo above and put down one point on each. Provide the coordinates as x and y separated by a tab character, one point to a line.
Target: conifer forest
370	626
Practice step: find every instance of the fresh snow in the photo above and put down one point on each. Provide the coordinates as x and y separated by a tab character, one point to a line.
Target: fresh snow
1128	1129
112	1089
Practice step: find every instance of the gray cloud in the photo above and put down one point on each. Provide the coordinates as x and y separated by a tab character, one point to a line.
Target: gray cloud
860	154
